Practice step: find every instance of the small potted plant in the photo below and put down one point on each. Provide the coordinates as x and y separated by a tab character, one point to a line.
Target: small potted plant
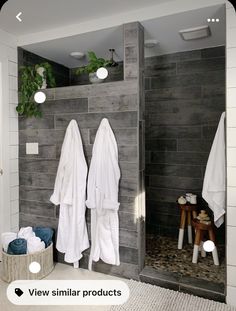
93	65
33	78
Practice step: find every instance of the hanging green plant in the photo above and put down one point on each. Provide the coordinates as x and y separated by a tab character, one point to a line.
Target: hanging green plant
30	82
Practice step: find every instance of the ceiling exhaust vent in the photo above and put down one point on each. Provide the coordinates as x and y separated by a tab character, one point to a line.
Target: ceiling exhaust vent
150	43
195	33
77	55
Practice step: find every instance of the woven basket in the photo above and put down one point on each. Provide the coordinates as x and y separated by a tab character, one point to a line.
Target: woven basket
16	267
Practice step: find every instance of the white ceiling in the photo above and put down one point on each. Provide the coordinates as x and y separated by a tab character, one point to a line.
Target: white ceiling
163	29
98	41
41	15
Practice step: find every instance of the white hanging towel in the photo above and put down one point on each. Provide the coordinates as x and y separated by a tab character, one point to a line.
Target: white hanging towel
102	197
69	192
213	191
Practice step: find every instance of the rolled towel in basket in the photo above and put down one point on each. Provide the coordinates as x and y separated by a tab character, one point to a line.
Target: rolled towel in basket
17	247
6	238
45	234
26	233
34	245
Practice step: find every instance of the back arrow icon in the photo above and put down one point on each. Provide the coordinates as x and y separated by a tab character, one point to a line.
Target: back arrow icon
18	17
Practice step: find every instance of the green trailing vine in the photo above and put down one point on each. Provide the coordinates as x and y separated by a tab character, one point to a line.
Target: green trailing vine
94	63
30	82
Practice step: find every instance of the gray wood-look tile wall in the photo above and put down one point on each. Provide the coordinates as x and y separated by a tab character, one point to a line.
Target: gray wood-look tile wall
37	173
87	104
184	99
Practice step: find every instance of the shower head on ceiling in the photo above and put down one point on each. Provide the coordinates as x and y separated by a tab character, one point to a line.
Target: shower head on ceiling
150	43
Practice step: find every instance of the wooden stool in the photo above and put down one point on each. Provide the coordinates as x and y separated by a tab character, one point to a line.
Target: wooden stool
201	229
188	210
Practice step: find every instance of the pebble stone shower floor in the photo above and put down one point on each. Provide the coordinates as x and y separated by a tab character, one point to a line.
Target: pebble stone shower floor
163	254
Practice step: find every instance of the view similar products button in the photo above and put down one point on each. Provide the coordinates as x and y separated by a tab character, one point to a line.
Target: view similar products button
68	292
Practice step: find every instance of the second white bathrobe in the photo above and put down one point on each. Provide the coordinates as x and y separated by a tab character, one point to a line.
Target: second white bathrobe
69	192
102	197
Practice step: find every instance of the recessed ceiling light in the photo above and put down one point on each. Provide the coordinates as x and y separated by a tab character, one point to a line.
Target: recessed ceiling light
77	55
150	43
195	33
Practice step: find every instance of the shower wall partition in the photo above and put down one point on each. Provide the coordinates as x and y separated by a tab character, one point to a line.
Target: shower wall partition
122	103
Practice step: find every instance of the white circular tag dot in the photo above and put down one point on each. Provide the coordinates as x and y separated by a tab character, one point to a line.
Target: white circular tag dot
209	246
39	97
102	73
34	267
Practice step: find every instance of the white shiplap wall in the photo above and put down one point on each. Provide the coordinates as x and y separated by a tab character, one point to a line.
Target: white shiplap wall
10	168
231	153
13	138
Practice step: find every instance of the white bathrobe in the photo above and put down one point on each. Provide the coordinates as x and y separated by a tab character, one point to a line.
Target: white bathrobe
102	197
69	192
214	181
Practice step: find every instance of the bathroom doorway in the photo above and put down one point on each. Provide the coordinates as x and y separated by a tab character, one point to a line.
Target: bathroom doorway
184	100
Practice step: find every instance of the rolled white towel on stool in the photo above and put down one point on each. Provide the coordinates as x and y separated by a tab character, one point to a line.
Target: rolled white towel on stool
26	233
34	244
6	238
